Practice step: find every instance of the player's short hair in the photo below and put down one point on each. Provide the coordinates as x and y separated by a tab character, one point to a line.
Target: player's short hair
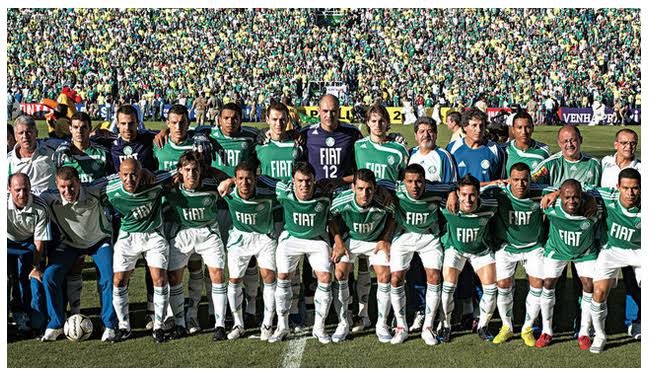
523	114
278	106
628	131
179	109
425	120
520	166
67	173
571	183
332	96
453	115
469	180
629	173
191	156
365	175
27	120
303	167
377	108
473	113
127	110
568	127
415	169
233	107
246	165
16	175
82	116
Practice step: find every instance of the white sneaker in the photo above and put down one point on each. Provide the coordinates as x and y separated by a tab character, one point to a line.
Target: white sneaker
401	334
108	335
383	333
51	335
342	331
265	333
236	333
361	324
428	337
634	330
279	335
150	321
192	325
321	335
598	345
418	322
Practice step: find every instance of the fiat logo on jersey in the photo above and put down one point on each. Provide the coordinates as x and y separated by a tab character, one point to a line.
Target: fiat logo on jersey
485	164
330	141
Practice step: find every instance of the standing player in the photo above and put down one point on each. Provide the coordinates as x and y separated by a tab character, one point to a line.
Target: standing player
467	239
570	239
367	219
621	245
30	156
524	148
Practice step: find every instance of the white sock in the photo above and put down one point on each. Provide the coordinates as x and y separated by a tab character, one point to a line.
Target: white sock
121	306
585	320
341	299
322	302
295	290
398	299
282	301
219	298
363	291
235	300
176	301
383	303
432	301
207	282
268	295
74	286
160	302
251	285
599	316
532	306
194	290
487	304
504	303
546	303
447	302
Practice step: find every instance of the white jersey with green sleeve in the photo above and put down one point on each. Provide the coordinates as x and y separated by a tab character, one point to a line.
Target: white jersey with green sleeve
386	160
305	219
470	232
570	237
363	223
169	154
420	215
532	156
252	215
277	157
556	169
231	150
94	163
623	225
193	208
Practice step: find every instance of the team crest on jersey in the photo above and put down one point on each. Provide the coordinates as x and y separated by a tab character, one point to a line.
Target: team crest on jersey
590	175
376	216
611	205
96	166
584	225
128	150
485	164
391	160
483	222
638	225
207	202
534	206
319	207
330	141
432	206
260	207
535	163
244	145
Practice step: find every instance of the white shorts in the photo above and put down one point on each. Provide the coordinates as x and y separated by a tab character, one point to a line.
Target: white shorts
245	245
205	242
290	249
456	259
225	223
531	260
611	260
553	268
359	248
404	245
129	246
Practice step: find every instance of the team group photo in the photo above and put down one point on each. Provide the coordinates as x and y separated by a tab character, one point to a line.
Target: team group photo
323	188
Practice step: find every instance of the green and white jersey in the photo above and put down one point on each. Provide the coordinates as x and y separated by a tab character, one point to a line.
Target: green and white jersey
623	224
94	163
532	157
570	237
29	222
469	232
169	154
363	223
231	150
141	211
193	208
386	160
419	215
306	219
252	215
556	169
277	158
519	223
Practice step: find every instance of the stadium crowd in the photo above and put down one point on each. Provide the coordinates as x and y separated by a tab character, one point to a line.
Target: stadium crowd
205	57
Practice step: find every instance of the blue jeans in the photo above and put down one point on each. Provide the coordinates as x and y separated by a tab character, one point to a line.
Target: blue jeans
27	298
60	263
632	297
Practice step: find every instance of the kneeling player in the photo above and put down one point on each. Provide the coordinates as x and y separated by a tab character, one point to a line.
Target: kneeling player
621	245
251	235
368	220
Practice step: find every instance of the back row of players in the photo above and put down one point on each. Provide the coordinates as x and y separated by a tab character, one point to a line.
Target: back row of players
391	211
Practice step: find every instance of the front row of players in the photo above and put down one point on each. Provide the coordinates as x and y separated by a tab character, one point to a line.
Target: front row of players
493	228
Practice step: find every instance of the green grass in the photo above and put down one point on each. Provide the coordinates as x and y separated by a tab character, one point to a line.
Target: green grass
465	350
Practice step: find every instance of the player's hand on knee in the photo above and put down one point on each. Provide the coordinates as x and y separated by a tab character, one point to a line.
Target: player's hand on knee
36	274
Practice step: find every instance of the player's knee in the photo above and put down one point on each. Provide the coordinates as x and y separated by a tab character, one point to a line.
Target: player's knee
235	280
587	285
549	283
396	279
341	274
504	283
324	277
283	276
433	276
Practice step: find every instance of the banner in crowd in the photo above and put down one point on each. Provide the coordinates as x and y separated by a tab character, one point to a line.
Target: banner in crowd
585	115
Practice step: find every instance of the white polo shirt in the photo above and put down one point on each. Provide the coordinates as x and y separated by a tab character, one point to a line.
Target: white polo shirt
39	168
611	170
28	222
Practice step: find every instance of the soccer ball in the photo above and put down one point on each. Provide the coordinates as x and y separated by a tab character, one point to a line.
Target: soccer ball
78	327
